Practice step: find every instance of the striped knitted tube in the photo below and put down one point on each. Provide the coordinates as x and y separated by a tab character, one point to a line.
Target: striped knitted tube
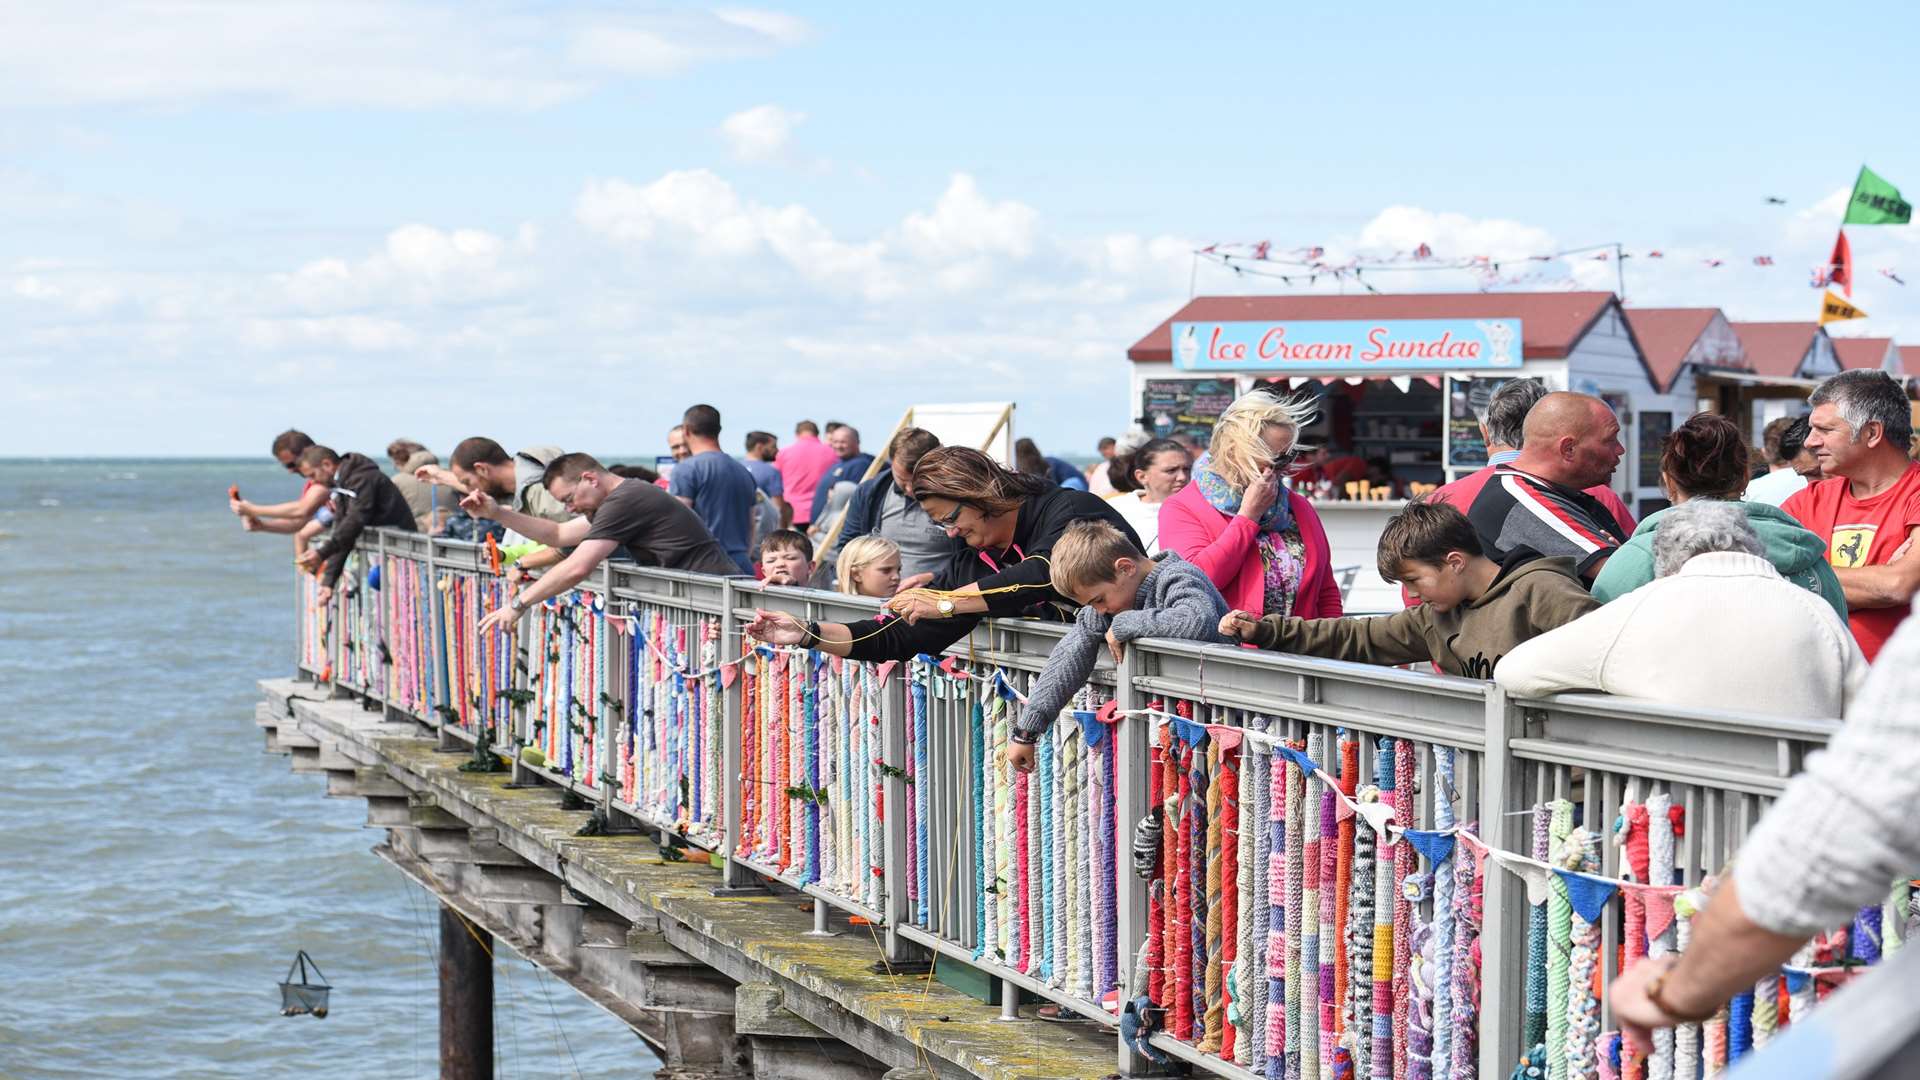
1024	805
1343	879
1247	828
1863	941
1443	924
1329	930
1260	948
1384	774
1893	917
1007	883
811	771
1420	1001
1739	1026
1080	834
1211	1036
1660	859
1559	930
1405	764
1311	1051
1275	1044
978	763
1466	965
1197	889
1292	857
1156	891
1766	1009
1359	935
1053	821
922	784
1686	1037
1106	865
1581	852
1714	1031
1799	1000
1177	931
1228	784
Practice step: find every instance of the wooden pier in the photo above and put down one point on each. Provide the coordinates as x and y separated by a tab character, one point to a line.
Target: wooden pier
719	982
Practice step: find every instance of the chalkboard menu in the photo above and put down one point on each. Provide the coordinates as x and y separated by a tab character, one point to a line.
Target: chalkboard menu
1654	429
1466	400
1192	406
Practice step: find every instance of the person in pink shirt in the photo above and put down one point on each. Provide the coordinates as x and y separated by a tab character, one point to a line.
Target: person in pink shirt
1260	544
802	463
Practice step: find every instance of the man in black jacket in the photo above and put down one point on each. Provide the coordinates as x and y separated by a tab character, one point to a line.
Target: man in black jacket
363	498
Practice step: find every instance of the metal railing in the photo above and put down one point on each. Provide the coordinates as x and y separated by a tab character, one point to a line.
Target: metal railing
880	789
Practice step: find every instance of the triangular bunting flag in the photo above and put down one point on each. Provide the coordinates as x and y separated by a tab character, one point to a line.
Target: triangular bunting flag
1798	980
885	672
1107	710
1834	309
1298	757
1189	732
1876	202
1659	911
1342	809
728	673
949	663
1091	729
1537	877
1377	815
1435	847
1226	738
1002	687
1588	894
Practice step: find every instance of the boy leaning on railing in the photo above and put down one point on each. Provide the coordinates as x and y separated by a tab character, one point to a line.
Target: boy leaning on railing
1123	595
1473	611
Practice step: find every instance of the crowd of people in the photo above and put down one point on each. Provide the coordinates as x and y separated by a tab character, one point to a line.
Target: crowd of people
1764	587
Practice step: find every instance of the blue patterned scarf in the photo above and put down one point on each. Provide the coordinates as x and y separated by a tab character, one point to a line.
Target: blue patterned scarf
1225	498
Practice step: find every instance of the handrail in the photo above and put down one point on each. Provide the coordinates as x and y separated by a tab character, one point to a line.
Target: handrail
780	761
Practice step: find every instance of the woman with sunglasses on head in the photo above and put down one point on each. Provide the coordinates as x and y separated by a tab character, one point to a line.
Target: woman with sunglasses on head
1008	522
1261	544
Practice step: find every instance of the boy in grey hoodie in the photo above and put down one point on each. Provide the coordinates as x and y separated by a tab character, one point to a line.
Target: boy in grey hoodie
1124	595
1472	611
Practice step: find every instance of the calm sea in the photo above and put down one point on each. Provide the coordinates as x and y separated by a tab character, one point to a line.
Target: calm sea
157	869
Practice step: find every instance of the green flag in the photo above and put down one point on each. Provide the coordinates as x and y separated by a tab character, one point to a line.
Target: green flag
1876	202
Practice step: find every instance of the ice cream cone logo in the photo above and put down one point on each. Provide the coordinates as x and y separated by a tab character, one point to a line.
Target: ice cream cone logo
1189	346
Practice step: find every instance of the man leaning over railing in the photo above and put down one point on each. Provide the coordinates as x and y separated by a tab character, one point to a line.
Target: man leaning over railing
657	528
1839	835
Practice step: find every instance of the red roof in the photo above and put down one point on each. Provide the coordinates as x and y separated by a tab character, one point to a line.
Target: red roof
1861	353
1776	348
1551	324
1666	335
1910	360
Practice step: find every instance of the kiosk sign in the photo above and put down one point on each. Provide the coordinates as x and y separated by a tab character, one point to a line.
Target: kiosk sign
1351	345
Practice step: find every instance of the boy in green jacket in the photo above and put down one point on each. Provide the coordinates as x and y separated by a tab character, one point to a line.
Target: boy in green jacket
1472	611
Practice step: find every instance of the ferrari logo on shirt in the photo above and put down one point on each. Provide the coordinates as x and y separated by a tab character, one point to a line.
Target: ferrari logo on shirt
1850	545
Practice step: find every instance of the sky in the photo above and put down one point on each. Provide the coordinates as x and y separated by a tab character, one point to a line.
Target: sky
556	222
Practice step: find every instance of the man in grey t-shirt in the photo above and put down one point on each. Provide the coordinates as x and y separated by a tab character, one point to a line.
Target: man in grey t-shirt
659	529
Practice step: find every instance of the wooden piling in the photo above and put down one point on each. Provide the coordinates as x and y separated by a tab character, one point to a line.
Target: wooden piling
466	999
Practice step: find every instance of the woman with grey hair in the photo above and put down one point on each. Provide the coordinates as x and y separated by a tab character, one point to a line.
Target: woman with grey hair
1717	628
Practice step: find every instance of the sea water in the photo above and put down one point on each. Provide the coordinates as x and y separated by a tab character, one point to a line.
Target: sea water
157	869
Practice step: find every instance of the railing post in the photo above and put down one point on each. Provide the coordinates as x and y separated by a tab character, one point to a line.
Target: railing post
1131	744
895	750
1501	943
732	874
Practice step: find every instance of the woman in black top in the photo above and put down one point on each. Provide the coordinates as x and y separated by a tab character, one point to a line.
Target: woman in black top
1009	523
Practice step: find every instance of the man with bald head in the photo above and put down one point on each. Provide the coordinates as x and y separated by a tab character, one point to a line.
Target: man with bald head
1536	501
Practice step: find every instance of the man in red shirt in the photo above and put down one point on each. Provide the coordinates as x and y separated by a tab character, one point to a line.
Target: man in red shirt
1504	430
802	464
1868	506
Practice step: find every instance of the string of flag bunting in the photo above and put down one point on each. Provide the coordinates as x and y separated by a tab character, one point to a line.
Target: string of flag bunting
1873	201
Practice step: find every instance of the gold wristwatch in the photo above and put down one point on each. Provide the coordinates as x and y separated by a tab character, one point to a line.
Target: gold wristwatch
944	607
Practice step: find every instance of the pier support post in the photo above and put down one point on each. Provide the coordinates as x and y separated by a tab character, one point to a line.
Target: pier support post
466	999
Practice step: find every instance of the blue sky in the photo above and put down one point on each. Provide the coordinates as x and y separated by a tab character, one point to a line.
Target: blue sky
559	222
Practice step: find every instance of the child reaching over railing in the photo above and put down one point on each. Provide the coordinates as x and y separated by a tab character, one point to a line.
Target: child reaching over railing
1123	595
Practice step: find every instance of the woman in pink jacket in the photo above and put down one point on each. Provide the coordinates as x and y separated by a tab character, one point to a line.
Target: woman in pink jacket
1262	545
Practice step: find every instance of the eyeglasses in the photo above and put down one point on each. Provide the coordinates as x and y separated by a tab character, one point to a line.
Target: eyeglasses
952	519
1284	459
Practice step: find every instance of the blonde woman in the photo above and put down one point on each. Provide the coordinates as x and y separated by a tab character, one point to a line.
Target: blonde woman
1260	544
869	566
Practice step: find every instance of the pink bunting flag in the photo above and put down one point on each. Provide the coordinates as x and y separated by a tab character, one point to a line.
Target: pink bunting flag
949	664
1225	737
885	672
729	673
1106	713
1659	912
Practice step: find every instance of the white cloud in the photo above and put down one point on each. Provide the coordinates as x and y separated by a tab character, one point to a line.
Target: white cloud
964	222
1452	236
379	53
761	133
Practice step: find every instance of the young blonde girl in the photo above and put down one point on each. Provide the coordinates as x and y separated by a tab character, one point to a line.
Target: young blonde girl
870	566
